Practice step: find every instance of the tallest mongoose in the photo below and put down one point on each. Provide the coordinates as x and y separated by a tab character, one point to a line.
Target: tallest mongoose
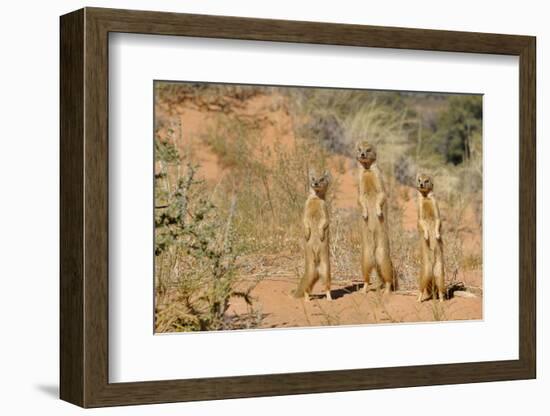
375	250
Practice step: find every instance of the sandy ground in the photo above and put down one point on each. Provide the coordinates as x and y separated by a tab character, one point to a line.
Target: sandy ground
350	306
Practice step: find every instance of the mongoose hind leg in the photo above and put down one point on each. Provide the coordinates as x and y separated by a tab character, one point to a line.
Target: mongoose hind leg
439	280
384	268
311	274
426	295
368	264
324	273
425	284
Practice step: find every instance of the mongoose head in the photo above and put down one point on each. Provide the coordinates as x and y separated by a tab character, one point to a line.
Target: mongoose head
424	184
319	184
365	153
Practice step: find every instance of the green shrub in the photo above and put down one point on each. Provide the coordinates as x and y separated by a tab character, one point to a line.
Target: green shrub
195	256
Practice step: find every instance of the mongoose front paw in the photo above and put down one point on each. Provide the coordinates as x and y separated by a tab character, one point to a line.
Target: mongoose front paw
321	234
365	215
379	212
438	236
426	236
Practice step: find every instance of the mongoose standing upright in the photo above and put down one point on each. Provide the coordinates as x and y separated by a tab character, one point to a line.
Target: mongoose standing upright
375	251
316	226
432	272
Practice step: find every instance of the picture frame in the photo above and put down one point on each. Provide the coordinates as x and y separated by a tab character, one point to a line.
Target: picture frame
84	217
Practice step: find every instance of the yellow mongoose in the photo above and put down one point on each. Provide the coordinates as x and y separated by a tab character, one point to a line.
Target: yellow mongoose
375	251
316	225
432	270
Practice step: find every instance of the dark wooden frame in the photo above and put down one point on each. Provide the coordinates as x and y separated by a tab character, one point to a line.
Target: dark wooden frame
84	208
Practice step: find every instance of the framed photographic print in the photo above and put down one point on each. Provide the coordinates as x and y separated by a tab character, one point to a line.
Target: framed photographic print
256	207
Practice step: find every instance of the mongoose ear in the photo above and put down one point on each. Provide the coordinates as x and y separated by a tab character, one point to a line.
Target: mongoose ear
326	175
